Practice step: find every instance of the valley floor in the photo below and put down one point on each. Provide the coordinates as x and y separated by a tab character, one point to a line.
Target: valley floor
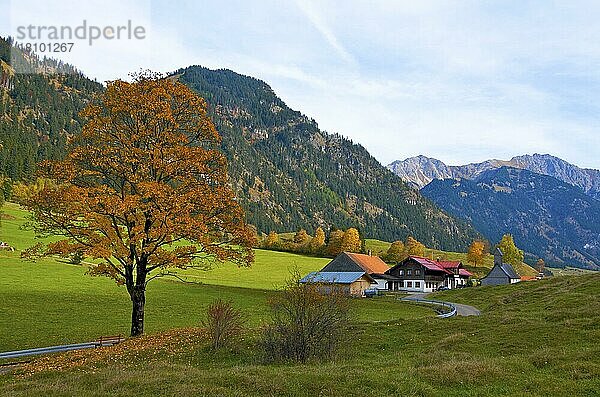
537	338
532	339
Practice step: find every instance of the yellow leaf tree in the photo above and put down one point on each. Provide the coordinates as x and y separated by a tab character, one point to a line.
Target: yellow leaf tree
334	246
351	241
301	237
512	254
318	242
414	247
144	189
396	252
271	240
476	253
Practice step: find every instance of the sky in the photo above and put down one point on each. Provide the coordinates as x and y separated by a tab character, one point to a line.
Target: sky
461	81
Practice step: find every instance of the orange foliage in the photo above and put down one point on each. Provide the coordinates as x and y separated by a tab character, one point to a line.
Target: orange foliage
144	188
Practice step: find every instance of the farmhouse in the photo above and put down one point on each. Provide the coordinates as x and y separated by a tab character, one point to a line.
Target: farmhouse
501	273
352	283
352	262
421	274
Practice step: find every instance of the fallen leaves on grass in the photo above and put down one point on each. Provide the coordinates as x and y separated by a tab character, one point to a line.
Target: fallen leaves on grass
145	349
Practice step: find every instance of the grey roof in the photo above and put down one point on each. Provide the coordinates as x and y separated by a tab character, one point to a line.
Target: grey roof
342	263
332	277
509	270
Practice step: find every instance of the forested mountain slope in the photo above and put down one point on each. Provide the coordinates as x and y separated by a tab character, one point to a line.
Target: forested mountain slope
287	173
290	174
38	110
548	218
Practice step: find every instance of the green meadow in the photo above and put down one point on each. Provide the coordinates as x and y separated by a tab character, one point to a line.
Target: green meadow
51	302
532	339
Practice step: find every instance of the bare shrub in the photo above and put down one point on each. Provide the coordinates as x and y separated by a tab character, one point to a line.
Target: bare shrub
224	323
307	321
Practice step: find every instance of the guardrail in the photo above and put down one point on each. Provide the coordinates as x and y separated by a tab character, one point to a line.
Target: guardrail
450	313
61	348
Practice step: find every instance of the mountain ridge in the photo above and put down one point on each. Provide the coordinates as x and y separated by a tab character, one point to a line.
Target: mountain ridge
420	170
291	174
548	218
287	173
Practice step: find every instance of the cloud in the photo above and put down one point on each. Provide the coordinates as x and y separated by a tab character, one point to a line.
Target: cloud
458	80
316	19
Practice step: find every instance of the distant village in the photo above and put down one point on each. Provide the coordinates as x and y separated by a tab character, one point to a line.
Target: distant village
363	274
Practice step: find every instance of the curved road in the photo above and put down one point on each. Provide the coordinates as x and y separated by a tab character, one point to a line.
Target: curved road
461	310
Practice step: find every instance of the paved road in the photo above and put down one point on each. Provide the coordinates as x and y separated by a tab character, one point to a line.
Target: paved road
466	310
461	310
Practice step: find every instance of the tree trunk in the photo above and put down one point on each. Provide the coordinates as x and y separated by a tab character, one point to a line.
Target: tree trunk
138	300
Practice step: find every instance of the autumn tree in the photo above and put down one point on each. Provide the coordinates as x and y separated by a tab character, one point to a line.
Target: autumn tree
511	253
318	242
143	190
301	237
476	253
351	241
334	246
395	252
271	240
414	247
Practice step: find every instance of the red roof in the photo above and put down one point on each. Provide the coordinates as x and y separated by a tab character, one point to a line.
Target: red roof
449	264
441	266
429	264
371	264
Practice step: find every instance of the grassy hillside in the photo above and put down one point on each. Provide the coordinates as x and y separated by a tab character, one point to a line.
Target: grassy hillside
533	339
378	247
51	302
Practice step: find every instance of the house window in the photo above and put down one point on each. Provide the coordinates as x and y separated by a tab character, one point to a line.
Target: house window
417	271
408	272
417	284
409	284
400	284
401	272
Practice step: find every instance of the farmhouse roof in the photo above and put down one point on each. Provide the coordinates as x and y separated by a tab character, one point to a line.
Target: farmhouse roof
509	270
449	264
333	277
371	264
429	264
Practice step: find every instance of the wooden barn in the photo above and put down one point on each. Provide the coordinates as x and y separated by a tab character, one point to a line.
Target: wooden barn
352	262
351	283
